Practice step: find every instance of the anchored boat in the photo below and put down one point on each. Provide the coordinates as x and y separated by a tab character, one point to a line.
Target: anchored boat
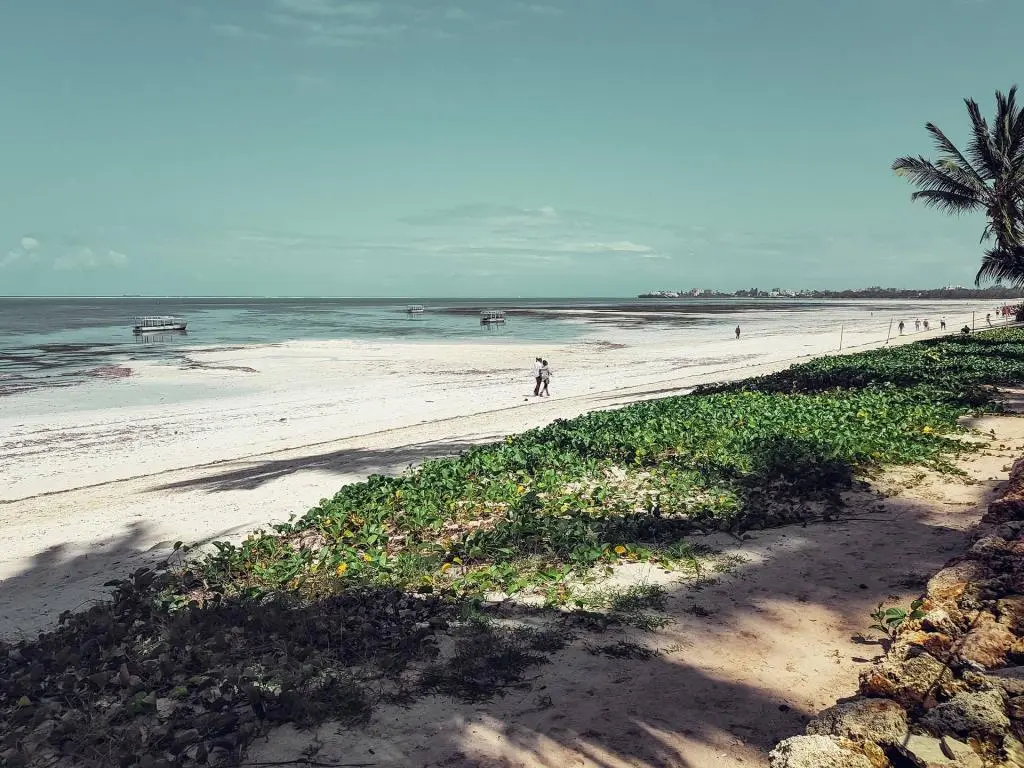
155	323
415	309
492	317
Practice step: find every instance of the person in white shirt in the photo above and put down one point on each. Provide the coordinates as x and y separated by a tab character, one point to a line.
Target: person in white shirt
537	365
545	377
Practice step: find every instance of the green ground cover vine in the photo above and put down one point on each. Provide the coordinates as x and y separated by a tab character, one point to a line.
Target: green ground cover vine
546	507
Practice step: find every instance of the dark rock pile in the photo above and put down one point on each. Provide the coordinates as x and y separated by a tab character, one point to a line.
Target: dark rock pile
949	692
125	684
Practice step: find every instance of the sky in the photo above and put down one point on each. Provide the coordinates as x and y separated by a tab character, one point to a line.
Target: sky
483	147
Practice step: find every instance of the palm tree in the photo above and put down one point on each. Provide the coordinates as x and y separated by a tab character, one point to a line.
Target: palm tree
989	177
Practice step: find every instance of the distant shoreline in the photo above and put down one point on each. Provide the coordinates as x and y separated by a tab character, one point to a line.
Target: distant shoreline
930	294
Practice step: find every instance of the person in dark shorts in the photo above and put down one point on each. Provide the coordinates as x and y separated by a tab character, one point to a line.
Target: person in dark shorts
537	365
545	378
737	331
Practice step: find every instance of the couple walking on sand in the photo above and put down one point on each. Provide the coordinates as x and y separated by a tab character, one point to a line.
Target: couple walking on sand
542	375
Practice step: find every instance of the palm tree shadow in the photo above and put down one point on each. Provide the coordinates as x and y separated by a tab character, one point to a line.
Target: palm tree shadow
249	475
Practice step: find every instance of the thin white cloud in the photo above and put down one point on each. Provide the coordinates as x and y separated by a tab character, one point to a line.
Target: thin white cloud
87	258
367	23
29	243
541	9
362	10
622	246
10	258
318	32
237	32
486	215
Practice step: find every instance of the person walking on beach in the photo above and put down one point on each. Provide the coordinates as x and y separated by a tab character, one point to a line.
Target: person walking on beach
538	365
917	325
901	327
737	332
988	319
942	324
925	323
545	377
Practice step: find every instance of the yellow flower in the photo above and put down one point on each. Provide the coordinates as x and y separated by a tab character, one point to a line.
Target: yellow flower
367	558
445	567
862	414
620	550
342	568
521	488
927	430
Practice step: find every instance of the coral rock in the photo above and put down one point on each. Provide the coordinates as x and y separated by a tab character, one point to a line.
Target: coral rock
1011	613
987	643
1010	680
961	754
1015	707
1010	531
949	585
927	752
980	713
1016	654
936	643
940	620
911	682
877	720
988	548
816	752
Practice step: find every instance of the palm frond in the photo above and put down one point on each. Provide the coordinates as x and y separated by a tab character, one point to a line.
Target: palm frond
950	202
1002	265
1014	126
1007	119
983	154
949	151
924	174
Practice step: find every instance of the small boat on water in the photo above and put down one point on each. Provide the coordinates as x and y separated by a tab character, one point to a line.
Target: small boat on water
415	309
155	323
492	317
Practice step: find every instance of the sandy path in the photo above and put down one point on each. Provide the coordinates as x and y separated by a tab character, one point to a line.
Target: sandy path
778	644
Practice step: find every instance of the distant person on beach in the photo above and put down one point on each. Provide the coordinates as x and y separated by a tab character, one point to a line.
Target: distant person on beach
737	331
925	323
988	319
545	377
966	330
917	325
942	324
901	327
538	366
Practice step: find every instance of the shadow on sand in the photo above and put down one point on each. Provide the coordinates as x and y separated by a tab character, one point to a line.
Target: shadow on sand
245	475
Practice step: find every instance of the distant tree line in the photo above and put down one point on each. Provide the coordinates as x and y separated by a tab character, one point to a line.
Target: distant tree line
875	292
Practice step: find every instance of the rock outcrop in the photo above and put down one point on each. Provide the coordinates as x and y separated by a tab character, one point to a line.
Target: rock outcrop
949	692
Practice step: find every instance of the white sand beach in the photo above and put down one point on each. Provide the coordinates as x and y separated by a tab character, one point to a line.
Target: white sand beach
99	478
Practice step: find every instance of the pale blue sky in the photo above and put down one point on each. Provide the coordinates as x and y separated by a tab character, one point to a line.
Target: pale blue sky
478	147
